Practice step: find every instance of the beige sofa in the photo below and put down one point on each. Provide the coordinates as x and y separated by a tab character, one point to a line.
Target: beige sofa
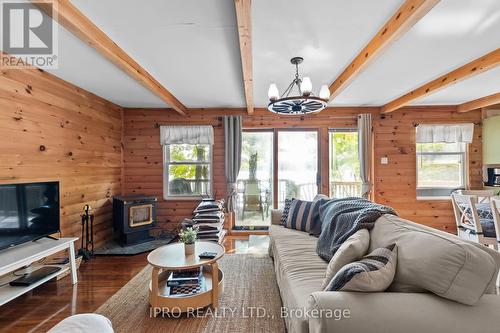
306	308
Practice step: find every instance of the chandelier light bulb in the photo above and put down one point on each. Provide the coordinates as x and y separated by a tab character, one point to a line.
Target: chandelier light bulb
306	86
273	92
324	93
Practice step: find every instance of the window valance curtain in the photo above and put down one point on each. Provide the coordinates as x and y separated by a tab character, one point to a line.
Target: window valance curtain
193	135
427	133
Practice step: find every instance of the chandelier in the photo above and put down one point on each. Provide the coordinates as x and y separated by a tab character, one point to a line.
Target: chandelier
301	102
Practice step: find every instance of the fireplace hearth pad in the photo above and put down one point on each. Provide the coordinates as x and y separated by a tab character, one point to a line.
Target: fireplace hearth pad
113	248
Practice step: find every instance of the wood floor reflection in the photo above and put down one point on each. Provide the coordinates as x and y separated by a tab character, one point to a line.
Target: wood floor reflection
98	279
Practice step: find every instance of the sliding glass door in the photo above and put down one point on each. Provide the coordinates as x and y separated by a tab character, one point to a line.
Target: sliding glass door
297	165
255	180
275	165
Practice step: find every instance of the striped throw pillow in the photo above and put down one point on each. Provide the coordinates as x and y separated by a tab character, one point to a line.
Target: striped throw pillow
286	209
374	272
300	215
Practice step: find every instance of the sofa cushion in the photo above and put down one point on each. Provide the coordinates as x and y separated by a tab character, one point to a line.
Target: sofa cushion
372	273
299	270
353	249
444	265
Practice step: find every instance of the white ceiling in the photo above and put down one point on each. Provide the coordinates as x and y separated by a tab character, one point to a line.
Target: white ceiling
191	47
83	66
481	85
452	34
327	34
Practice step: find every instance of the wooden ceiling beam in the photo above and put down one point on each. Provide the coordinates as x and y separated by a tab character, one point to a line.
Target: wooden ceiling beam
475	67
244	20
403	19
479	103
77	23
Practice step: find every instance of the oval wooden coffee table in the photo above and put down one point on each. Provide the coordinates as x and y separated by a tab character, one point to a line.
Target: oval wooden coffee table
170	258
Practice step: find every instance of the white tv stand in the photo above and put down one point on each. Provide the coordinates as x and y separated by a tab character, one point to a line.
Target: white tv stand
25	254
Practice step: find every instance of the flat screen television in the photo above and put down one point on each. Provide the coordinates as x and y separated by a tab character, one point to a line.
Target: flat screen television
28	212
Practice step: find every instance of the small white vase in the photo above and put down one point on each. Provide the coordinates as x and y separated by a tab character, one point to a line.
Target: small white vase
189	248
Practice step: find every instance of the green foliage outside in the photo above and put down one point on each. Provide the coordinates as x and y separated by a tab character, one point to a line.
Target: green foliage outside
344	156
186	153
252	166
250	146
256	155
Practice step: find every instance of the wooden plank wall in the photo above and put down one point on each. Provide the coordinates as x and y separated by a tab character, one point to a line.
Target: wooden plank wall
394	138
395	183
143	152
81	134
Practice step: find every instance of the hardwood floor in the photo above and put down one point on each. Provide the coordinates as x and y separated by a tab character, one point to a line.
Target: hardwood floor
98	279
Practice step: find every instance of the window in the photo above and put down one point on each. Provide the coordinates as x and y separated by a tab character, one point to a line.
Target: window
344	163
187	171
440	168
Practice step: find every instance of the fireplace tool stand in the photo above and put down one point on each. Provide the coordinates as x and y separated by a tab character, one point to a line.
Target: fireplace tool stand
87	252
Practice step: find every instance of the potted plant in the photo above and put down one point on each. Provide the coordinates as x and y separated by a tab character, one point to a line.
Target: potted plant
188	237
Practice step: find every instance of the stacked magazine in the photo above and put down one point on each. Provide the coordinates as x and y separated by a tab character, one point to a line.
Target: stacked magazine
208	219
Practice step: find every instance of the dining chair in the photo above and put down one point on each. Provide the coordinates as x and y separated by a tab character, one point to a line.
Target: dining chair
252	199
481	195
495	210
471	224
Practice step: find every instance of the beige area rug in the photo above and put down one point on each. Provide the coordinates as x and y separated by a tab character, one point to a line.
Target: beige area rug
250	302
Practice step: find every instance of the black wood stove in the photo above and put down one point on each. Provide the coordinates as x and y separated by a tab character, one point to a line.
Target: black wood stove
133	217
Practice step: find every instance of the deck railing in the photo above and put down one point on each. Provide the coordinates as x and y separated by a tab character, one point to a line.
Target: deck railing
345	189
308	191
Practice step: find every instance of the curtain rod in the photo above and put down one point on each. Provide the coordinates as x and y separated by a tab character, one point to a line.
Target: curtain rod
157	125
447	124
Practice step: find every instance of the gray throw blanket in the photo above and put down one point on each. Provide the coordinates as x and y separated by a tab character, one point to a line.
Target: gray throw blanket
341	218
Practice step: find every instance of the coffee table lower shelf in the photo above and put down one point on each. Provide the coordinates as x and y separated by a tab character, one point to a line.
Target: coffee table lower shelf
162	301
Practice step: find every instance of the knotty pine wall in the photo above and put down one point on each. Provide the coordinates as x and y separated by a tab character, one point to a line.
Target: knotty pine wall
143	153
394	137
395	183
81	134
